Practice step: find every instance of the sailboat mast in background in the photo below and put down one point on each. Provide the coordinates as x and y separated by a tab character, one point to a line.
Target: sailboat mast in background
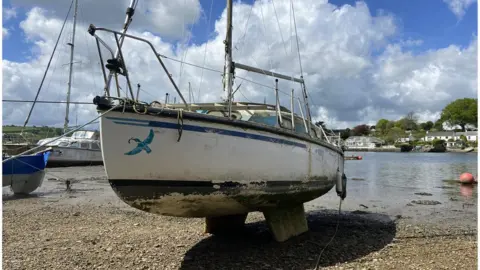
72	48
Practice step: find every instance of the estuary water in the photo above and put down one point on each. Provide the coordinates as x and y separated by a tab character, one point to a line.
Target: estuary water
420	186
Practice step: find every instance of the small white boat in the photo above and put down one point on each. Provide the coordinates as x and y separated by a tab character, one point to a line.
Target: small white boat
215	160
81	149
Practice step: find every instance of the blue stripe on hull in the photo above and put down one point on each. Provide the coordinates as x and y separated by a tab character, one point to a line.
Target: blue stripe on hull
147	123
25	164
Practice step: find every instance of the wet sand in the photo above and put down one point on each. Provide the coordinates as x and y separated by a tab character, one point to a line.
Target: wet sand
90	228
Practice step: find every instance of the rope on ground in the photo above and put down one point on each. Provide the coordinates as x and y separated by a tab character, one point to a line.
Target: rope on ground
58	138
336	230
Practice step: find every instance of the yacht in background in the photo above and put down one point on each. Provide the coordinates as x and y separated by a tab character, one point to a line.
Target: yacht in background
81	149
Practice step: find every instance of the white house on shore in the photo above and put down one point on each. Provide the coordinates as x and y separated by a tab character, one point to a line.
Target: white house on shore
362	142
447	135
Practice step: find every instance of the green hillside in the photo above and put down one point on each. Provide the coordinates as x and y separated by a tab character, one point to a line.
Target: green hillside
32	133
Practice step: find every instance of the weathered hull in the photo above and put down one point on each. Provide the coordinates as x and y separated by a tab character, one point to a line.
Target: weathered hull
211	169
64	156
24	183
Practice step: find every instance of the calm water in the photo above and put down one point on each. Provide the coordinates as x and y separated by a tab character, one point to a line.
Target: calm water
387	182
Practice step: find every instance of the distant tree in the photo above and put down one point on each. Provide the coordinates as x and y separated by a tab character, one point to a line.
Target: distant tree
345	134
400	123
321	124
438	125
390	125
460	112
394	134
381	126
410	122
361	130
426	126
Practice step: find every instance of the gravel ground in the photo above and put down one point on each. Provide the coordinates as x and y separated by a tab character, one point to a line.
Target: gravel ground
90	228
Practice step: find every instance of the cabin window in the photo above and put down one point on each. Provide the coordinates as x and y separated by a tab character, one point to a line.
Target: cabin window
267	120
95	146
287	123
299	126
84	145
318	133
74	145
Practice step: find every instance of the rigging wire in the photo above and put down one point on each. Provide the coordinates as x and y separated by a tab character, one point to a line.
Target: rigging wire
296	37
245	30
205	53
279	28
221	72
186	51
45	101
48	65
265	34
91	68
63	135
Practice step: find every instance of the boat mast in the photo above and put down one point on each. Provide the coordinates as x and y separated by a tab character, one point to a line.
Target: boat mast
72	47
228	59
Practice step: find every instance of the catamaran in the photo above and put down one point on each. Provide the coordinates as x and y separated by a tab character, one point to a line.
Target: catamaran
214	160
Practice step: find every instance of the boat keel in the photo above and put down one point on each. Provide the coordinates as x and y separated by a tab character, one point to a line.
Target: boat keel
286	222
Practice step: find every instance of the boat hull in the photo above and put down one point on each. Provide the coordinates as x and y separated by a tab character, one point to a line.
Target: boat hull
24	183
25	174
64	156
203	169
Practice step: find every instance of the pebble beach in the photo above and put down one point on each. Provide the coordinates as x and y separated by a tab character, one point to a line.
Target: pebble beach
90	228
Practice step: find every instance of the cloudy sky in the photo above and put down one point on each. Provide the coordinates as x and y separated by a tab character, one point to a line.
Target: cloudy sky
362	61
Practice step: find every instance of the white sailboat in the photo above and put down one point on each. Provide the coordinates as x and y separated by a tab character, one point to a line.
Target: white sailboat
214	160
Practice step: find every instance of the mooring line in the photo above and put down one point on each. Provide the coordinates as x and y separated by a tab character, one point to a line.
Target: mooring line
336	230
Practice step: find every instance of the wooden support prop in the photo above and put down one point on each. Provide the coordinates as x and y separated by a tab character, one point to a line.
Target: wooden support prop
225	224
286	222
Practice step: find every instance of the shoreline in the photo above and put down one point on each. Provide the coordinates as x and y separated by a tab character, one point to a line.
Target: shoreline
373	150
397	150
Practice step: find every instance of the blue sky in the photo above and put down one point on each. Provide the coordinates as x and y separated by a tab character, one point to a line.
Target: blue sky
428	20
347	56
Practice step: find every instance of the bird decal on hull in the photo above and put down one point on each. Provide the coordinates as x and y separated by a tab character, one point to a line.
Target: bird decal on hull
141	145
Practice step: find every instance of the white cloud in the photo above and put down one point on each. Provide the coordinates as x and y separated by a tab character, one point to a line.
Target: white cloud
8	13
168	18
411	42
459	7
348	83
5	33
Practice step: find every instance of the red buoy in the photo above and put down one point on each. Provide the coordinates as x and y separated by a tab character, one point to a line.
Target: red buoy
359	157
467	178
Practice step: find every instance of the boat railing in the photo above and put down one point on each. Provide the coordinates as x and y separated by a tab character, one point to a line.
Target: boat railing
118	66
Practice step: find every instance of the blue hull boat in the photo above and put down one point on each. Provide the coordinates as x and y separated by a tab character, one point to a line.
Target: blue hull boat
25	173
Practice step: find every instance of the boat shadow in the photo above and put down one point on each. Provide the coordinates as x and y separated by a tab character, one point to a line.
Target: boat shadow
359	233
